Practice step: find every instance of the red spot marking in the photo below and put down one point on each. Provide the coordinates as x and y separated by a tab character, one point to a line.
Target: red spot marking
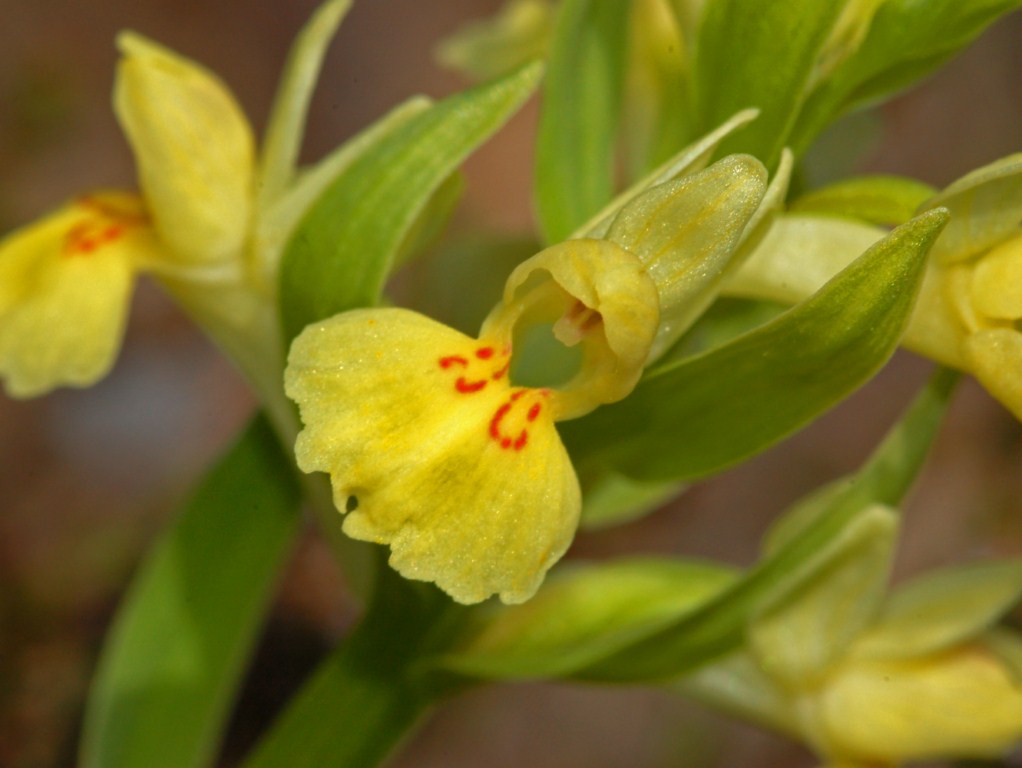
447	362
86	236
484	353
500	374
495	421
505	441
469	386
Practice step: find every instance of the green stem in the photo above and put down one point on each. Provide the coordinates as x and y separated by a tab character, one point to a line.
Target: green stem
365	698
250	337
368	708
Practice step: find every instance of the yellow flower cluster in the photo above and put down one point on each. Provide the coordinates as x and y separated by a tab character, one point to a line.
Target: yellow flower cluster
868	679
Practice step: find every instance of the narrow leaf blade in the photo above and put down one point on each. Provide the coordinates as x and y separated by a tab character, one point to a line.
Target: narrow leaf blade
578	123
343	249
176	652
759	53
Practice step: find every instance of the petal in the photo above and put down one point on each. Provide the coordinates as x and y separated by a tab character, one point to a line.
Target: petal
65	282
942	315
986	208
461	474
605	300
193	147
997	282
964	703
995	358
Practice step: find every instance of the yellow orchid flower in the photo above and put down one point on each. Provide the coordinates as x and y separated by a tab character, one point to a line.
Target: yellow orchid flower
65	284
432	445
210	223
969	311
424	427
65	281
868	679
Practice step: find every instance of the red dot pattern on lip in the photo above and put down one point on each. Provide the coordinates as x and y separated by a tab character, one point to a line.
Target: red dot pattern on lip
102	223
471	382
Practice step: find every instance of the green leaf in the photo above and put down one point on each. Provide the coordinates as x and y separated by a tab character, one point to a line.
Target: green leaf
726	319
941	609
363	699
286	126
694	417
579	117
906	41
613	500
759	53
882	200
175	654
583	613
718	627
344	247
657	114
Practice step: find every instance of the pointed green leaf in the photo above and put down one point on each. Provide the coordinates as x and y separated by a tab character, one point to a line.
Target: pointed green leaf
581	614
579	117
691	418
759	53
718	627
172	661
938	610
613	500
344	247
888	475
907	40
286	126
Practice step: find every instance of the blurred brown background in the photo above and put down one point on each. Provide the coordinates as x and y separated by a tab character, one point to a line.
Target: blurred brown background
88	478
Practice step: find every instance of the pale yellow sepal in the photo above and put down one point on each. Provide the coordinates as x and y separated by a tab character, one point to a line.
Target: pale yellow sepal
65	283
985	206
463	475
996	289
194	151
963	702
995	358
600	296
